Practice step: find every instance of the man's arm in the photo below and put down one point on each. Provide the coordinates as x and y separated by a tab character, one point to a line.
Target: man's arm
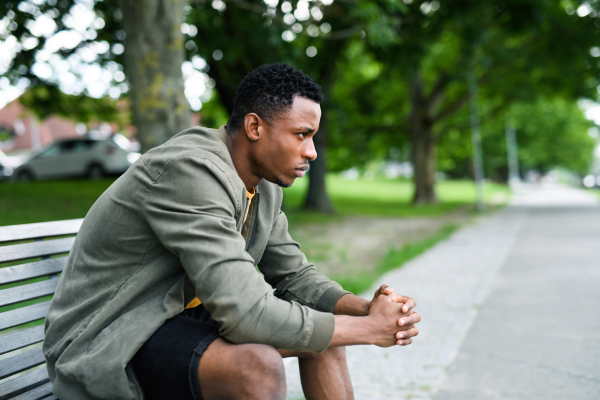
286	269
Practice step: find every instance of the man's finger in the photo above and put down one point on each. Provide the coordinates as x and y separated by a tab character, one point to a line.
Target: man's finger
409	303
384	289
412	332
410	319
403	342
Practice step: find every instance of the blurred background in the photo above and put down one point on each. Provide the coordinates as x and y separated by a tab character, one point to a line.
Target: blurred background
434	111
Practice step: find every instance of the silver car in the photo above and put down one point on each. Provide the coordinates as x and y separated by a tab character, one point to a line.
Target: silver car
92	158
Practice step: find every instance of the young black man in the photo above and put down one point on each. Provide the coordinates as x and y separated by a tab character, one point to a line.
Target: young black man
160	298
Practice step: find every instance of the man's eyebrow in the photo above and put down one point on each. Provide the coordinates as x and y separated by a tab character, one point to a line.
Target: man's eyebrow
307	130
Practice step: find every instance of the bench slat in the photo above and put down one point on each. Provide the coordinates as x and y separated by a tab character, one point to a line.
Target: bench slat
51	397
20	339
38	393
20	362
21	384
22	315
23	251
13	233
27	292
36	269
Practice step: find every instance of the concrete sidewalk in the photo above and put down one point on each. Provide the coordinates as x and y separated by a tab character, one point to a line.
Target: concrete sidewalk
535	334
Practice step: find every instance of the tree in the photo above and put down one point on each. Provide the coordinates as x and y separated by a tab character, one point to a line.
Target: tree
516	50
141	35
551	133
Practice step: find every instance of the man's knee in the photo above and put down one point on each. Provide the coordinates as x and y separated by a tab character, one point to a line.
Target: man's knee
262	374
331	353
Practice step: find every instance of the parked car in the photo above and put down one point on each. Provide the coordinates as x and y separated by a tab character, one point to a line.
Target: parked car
7	165
92	158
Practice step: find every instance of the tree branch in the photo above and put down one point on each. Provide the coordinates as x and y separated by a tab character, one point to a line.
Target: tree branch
451	109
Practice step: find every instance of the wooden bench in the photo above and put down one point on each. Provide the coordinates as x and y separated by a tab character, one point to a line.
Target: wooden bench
31	258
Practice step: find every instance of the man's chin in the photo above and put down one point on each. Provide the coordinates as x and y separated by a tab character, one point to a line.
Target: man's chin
281	183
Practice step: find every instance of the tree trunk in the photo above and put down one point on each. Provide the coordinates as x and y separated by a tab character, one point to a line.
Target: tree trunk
152	61
424	161
317	198
423	145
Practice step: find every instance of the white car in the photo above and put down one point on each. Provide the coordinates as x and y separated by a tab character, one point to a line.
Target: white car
93	158
7	165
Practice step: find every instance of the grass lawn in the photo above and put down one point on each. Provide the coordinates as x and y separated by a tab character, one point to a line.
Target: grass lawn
391	198
22	203
393	259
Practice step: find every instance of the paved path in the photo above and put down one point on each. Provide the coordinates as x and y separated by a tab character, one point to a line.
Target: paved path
533	271
537	335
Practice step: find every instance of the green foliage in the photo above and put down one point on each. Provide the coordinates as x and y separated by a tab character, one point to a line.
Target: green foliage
213	114
551	133
21	18
369	112
47	100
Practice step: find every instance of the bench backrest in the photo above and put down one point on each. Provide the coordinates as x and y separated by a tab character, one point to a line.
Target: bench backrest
31	258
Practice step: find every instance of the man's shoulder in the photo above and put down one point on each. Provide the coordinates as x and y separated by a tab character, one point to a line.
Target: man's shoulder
196	143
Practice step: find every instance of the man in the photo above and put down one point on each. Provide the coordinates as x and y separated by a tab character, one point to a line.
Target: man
160	298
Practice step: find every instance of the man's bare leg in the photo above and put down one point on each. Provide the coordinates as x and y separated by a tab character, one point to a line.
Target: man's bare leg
324	376
241	371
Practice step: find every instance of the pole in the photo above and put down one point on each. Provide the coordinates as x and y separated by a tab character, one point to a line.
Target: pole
476	142
512	154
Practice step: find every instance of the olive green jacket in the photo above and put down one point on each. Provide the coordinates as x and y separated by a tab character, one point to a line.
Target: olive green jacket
169	230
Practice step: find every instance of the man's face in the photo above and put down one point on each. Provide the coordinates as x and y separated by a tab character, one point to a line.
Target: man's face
287	145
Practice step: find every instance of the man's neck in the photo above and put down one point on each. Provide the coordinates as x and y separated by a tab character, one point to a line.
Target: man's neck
241	161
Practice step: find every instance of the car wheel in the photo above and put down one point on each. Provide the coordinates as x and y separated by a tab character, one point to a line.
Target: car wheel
25	176
95	172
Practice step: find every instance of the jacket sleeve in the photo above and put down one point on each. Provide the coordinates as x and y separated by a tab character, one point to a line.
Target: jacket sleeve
191	208
286	269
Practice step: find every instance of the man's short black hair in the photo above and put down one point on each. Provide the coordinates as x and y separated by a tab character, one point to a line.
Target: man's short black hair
269	90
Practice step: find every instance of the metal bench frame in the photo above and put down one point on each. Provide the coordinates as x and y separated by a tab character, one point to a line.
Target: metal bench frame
38	251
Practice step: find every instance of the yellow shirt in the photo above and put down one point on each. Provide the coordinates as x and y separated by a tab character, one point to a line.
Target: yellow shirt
196	302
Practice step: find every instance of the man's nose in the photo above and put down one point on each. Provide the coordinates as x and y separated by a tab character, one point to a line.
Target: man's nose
309	150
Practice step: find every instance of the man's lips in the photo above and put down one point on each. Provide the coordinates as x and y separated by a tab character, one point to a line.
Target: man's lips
301	171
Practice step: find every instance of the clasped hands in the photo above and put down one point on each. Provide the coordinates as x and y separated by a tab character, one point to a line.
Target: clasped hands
396	313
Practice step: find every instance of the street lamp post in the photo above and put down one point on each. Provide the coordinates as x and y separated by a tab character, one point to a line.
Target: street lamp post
512	155
476	142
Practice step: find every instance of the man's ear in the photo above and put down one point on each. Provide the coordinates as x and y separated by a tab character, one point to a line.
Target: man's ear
253	126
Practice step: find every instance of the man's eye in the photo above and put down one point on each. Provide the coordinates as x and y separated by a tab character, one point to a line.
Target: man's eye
302	135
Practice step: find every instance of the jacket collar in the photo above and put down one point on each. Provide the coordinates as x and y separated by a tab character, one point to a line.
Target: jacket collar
225	155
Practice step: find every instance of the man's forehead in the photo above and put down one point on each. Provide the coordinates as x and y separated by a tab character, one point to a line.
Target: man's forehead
304	109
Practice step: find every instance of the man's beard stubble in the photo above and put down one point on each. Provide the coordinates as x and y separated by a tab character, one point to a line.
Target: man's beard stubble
280	183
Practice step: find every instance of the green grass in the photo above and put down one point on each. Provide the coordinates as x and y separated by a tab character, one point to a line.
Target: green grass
394	258
391	197
22	203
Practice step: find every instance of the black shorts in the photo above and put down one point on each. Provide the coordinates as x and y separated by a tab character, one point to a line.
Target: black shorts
167	364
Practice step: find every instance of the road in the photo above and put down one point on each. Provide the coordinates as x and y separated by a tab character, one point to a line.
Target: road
510	306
